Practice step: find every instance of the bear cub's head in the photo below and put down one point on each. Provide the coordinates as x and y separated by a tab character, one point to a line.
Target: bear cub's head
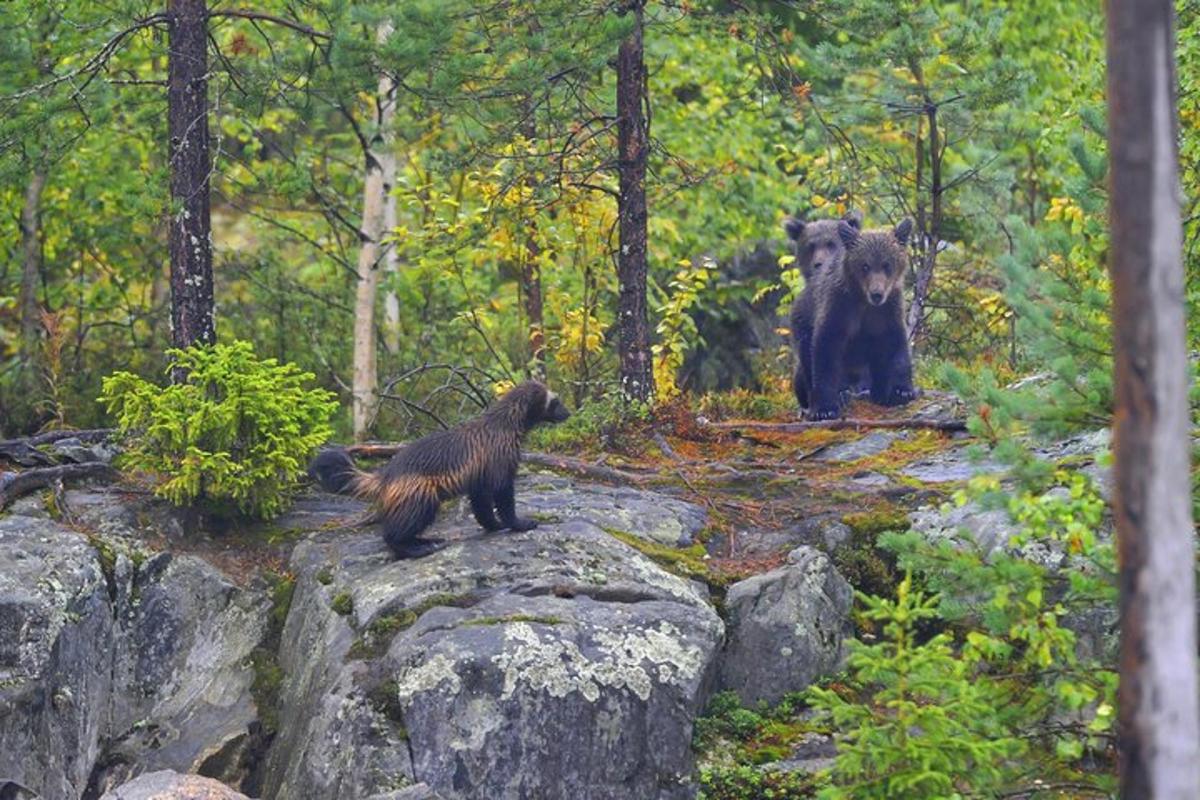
817	243
876	260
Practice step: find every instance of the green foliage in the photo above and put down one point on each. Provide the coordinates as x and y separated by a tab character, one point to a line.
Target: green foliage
342	603
744	782
605	422
929	729
236	429
1007	691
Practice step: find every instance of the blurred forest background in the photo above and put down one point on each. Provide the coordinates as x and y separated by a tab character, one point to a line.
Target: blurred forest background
495	125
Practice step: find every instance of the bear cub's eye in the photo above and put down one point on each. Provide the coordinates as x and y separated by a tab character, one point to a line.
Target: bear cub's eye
887	268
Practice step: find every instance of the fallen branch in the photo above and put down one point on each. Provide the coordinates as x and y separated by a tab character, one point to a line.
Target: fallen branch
950	425
18	484
573	466
583	469
25	451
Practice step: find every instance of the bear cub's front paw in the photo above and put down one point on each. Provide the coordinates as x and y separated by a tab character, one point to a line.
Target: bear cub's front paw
523	524
827	412
902	395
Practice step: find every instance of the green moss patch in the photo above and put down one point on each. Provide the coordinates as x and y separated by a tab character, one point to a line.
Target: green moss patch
264	659
377	636
342	603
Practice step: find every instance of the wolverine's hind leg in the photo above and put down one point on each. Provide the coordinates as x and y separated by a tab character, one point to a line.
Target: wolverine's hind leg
403	523
481	507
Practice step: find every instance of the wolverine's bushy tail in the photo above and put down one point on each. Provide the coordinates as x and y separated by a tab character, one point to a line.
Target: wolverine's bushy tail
335	471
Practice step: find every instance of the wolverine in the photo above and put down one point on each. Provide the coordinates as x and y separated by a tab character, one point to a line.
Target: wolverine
478	458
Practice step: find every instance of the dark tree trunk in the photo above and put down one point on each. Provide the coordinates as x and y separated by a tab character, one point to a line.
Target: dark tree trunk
924	276
1158	725
31	263
531	270
531	289
633	325
189	239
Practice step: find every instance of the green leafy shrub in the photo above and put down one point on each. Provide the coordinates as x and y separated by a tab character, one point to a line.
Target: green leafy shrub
748	783
606	422
236	430
928	728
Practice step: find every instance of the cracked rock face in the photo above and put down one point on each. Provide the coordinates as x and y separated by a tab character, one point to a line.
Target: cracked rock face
558	662
786	628
107	668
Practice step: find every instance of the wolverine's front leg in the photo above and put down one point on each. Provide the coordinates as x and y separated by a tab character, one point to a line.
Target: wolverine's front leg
506	504
481	507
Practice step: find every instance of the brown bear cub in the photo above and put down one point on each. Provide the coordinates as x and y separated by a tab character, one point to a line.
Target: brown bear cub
478	458
850	321
816	244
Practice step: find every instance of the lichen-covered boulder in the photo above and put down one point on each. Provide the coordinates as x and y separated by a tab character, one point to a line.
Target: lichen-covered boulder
56	645
183	671
111	665
557	662
786	628
170	785
644	514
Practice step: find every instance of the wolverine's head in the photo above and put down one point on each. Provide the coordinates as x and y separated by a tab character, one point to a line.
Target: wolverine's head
876	260
530	403
817	243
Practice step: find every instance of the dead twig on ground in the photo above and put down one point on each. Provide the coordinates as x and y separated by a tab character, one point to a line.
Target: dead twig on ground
913	423
18	484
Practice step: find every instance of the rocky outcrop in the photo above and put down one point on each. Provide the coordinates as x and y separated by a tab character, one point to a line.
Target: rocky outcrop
785	628
57	627
110	665
169	785
557	662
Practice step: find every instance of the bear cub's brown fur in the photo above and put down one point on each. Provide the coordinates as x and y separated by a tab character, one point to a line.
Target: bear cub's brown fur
850	321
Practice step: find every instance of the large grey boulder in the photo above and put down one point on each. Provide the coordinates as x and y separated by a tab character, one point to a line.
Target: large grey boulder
56	641
111	665
558	662
786	628
169	785
183	671
644	514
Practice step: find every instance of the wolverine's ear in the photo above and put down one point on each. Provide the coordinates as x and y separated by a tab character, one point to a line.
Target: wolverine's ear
854	217
903	230
794	228
848	233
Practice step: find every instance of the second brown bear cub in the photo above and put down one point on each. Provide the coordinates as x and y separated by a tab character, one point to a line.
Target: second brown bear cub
851	319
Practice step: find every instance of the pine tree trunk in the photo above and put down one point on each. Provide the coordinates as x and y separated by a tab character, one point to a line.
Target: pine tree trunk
190	234
31	263
375	191
633	327
531	290
1158	726
531	269
924	272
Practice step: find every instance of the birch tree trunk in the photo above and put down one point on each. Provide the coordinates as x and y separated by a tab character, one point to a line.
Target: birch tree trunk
1158	727
391	257
370	256
633	326
190	232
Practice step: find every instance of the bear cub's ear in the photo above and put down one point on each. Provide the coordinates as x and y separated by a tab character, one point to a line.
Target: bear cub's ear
903	231
854	217
794	227
848	233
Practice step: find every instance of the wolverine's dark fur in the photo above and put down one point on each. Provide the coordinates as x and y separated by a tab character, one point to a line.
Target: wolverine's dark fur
850	321
816	244
478	458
